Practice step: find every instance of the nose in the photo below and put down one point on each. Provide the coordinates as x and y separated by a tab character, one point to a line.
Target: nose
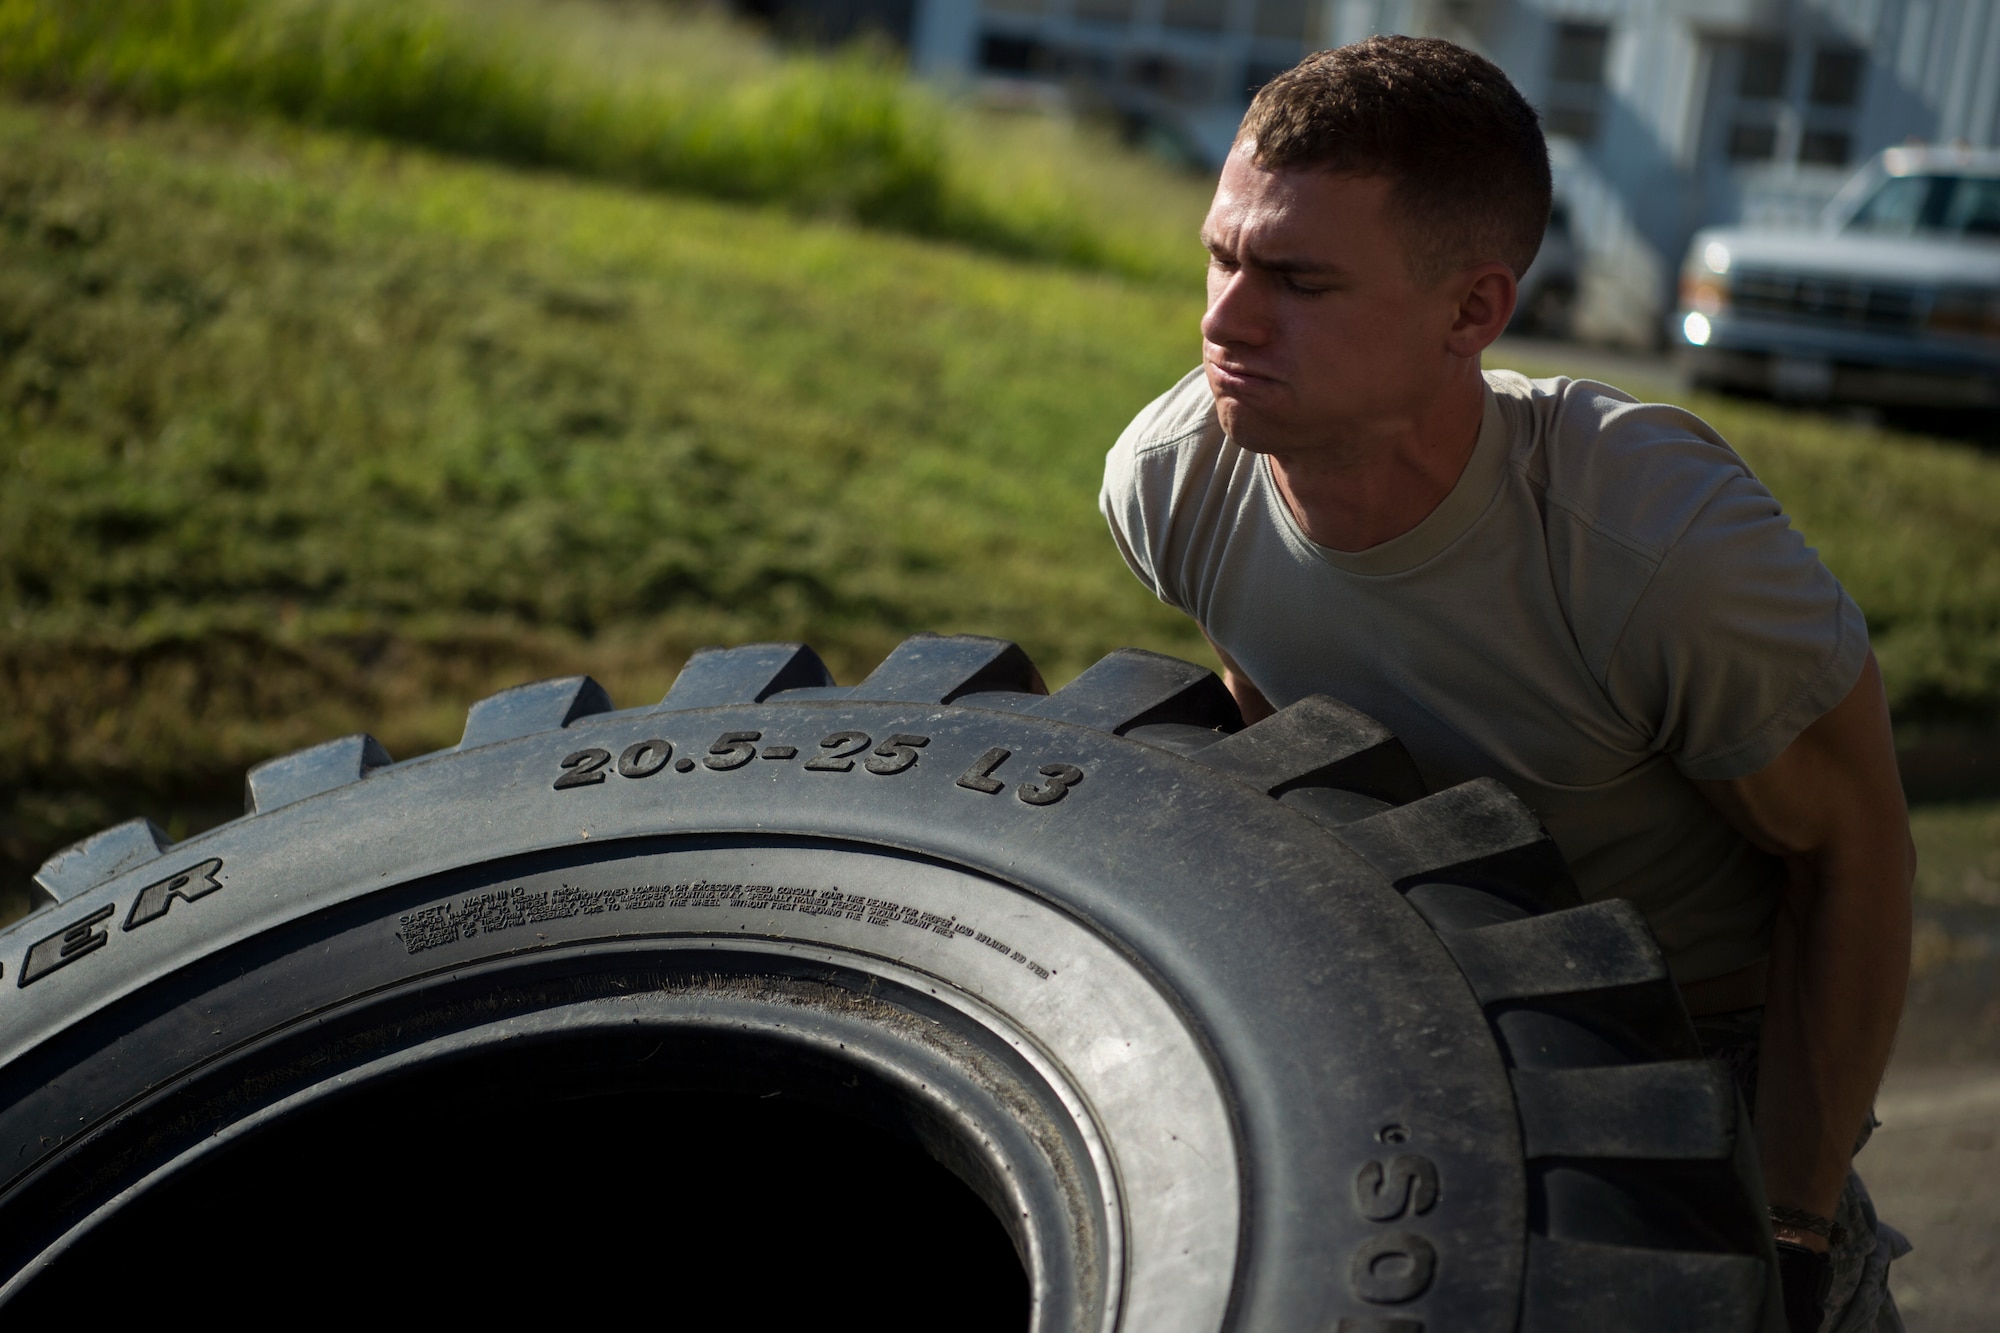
1235	316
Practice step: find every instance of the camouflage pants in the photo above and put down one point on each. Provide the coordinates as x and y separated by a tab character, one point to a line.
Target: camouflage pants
1859	1301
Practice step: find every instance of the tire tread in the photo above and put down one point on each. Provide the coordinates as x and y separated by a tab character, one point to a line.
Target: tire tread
543	705
750	674
84	865
320	768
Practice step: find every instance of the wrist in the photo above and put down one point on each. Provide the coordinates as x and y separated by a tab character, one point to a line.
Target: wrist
1807	1230
1801	1237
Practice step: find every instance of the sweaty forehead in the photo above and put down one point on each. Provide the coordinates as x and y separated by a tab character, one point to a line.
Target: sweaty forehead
1294	213
1248	195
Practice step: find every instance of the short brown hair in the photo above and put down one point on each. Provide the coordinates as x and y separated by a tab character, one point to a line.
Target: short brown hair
1462	149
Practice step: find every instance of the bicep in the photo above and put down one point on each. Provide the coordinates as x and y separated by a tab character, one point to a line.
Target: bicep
1834	786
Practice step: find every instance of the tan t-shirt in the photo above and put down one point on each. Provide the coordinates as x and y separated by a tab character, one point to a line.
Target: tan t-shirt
1607	604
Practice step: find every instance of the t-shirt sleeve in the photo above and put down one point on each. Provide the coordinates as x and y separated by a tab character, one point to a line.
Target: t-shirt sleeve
1141	480
1124	506
1740	640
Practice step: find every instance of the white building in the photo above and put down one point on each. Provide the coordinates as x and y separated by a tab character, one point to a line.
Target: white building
1663	115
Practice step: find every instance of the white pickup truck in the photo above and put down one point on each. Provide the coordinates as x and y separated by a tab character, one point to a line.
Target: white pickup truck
1894	300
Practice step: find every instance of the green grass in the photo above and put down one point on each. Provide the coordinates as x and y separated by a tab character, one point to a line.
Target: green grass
1958	870
301	435
1958	853
642	94
304	434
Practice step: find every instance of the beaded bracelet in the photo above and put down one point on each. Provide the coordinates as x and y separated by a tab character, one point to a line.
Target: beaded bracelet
1782	1216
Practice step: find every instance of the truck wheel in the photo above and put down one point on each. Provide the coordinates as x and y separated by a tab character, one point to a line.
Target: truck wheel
940	999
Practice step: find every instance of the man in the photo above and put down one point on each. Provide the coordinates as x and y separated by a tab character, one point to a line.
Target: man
1590	599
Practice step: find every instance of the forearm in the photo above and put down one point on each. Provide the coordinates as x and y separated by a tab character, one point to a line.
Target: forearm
1839	967
1831	806
1250	700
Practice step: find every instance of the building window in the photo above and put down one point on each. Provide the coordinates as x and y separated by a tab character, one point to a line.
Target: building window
1580	53
1576	81
1836	77
1784	103
1762	73
1760	92
1285	20
1833	99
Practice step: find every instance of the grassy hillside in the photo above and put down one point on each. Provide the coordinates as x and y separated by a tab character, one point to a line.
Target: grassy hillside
644	93
303	435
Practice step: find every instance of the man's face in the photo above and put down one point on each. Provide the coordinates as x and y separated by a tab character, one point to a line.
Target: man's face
1316	330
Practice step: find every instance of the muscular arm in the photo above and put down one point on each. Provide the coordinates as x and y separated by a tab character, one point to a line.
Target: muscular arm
1832	806
1250	700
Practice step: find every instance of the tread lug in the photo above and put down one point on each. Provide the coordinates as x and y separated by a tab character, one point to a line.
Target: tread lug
1594	947
717	677
1477	833
1586	1287
84	865
1319	742
1675	1110
937	669
1452	908
545	705
1132	687
308	772
1331	806
1004	701
1183	738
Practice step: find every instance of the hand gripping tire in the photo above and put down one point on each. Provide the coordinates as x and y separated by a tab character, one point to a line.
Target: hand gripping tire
1230	1027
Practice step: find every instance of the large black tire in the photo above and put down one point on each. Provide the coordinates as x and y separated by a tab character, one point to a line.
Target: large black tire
1229	1027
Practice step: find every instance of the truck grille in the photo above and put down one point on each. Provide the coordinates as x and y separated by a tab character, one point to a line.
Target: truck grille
1826	300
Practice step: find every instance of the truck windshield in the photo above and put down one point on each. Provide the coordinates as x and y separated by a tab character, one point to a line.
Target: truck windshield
1906	205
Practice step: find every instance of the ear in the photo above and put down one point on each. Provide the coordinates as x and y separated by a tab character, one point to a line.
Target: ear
1486	296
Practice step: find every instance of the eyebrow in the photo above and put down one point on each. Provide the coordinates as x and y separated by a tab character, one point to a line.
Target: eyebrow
1276	264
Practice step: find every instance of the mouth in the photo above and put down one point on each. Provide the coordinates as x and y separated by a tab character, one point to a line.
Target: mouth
1225	375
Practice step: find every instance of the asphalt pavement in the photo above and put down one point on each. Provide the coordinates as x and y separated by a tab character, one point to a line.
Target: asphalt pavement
1933	1168
1934	1165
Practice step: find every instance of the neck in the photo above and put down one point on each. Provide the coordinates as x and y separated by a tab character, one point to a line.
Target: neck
1375	483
